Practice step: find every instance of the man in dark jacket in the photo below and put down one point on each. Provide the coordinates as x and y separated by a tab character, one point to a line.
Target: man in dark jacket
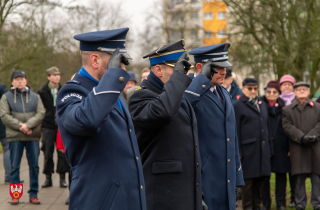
48	94
301	122
222	171
166	130
254	146
22	111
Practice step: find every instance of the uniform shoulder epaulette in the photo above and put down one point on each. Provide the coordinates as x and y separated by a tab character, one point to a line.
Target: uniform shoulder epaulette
74	82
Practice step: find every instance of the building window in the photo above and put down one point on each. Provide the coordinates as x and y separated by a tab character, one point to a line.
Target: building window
175	35
208	16
194	34
177	17
221	34
194	16
221	16
207	34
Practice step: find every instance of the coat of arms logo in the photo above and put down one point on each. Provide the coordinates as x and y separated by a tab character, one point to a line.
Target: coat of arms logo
16	190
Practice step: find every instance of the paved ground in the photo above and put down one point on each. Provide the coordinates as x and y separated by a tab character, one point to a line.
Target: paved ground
52	198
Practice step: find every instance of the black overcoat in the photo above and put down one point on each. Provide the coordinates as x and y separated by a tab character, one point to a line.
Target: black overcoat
253	135
280	161
168	144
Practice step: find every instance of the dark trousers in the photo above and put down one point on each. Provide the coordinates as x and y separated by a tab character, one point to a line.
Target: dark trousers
301	196
292	180
49	137
281	181
32	152
251	193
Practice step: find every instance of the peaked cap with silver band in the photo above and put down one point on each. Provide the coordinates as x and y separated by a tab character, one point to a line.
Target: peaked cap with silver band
167	54
218	52
106	41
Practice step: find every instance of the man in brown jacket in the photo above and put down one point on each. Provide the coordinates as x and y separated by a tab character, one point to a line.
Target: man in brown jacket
301	122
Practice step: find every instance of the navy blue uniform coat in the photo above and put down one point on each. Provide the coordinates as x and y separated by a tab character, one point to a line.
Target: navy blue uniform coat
218	142
101	146
255	146
168	142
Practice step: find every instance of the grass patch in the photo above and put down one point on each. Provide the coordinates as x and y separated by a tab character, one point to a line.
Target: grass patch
273	196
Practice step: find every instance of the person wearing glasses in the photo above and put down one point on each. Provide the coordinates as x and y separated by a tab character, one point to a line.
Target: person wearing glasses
255	148
280	162
301	122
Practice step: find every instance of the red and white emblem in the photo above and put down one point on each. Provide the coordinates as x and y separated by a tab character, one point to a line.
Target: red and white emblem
16	190
276	105
238	96
259	102
311	103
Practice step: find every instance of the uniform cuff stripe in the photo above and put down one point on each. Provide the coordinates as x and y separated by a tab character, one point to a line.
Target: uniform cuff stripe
196	94
103	92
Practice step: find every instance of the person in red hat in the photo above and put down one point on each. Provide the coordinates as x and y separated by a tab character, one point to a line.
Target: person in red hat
286	87
280	162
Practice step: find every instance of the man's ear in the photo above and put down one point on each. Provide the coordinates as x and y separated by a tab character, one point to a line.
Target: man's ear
158	71
198	67
94	60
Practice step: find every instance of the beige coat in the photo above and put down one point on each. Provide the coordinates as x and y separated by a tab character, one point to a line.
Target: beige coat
297	122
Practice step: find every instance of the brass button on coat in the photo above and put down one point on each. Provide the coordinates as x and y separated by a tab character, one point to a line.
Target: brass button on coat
229	160
197	165
121	79
137	158
228	140
229	181
141	187
203	87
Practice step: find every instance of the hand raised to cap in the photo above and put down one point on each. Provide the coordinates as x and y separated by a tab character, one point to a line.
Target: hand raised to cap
208	69
182	65
116	59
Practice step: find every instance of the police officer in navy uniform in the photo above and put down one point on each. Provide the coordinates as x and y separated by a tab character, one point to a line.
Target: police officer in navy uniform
166	130
96	128
222	171
255	146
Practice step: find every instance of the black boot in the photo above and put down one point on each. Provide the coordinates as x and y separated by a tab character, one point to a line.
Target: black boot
67	201
48	182
63	183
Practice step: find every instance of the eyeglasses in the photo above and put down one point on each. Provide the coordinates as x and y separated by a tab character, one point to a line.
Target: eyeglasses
272	92
301	89
252	88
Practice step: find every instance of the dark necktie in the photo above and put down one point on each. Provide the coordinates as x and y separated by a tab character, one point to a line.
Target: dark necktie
215	92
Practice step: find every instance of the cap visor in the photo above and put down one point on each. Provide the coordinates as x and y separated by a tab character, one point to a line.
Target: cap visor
222	64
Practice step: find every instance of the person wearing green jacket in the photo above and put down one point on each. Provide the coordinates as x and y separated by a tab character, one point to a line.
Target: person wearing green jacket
22	112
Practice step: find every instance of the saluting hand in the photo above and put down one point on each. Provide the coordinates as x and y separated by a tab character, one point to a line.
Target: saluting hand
208	69
116	59
182	65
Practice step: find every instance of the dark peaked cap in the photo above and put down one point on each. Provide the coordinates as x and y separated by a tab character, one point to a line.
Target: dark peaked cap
167	54
107	41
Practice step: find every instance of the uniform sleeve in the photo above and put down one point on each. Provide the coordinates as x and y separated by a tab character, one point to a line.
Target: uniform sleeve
199	85
81	113
238	121
239	172
6	117
291	130
150	112
36	120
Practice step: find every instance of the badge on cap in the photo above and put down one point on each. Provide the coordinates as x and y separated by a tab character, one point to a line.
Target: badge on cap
226	47
276	105
260	102
311	103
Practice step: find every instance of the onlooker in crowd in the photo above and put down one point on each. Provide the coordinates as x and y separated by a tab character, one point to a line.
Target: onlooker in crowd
22	112
231	86
48	94
287	94
61	148
254	146
4	142
301	123
280	162
144	75
286	87
131	83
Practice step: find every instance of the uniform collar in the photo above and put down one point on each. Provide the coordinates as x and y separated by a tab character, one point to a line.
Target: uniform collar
84	73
